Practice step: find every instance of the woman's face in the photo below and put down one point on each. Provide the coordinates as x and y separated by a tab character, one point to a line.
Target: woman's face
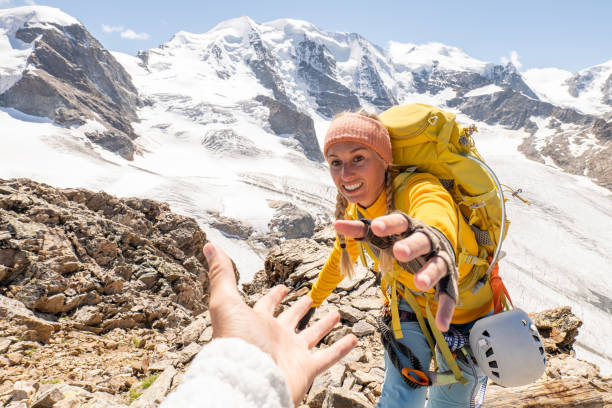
357	171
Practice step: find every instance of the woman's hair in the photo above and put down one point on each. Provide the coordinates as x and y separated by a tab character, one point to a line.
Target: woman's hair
385	261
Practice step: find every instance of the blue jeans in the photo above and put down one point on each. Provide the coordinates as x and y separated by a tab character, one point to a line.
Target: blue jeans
396	394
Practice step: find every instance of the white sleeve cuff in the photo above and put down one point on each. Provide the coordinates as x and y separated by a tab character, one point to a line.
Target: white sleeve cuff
229	372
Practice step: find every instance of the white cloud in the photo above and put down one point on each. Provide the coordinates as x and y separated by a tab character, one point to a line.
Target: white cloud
5	2
125	33
111	29
514	59
132	35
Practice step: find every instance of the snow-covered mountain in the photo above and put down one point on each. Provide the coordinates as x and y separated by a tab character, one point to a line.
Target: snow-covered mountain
55	69
227	125
588	90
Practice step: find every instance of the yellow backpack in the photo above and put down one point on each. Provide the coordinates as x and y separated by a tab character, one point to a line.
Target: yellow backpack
430	139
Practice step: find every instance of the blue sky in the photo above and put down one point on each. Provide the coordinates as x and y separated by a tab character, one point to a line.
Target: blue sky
534	34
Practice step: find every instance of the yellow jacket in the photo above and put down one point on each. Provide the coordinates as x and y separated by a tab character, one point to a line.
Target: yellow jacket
422	197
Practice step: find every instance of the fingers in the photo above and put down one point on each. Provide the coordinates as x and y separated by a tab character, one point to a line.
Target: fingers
270	301
313	334
291	317
353	229
429	275
409	248
323	359
389	225
446	307
221	276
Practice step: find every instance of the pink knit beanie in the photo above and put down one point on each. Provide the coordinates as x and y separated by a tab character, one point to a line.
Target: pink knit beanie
353	127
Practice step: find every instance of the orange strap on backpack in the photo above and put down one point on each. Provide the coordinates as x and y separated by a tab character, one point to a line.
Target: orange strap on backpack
497	286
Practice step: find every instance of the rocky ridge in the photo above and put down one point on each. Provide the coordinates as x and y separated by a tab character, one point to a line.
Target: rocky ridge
103	304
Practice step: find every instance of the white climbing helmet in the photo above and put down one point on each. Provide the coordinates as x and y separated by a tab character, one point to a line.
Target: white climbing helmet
508	348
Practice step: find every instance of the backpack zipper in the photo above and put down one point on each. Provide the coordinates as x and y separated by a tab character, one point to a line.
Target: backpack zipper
431	121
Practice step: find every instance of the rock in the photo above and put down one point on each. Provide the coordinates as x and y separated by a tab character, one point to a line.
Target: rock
366	304
294	261
189	352
22	390
206	336
567	366
33	328
17	404
161	365
341	398
350	314
155	394
104	400
363	328
192	332
230	227
558	328
47	397
321	384
355	355
88	315
4	344
53	304
290	221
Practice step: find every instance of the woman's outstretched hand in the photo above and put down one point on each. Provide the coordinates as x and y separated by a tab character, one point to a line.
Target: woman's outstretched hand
231	317
406	250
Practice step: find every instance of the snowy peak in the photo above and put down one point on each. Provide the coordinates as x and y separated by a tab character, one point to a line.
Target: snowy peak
589	90
593	80
239	27
13	19
412	57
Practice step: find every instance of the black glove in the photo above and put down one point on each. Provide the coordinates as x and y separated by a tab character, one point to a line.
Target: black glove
304	320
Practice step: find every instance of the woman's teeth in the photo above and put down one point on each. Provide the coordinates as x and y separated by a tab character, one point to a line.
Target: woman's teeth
352	187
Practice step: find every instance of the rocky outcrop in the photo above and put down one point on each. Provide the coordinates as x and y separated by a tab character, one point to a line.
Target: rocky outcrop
227	141
290	221
508	77
437	80
96	261
265	69
317	67
371	87
286	120
72	79
230	227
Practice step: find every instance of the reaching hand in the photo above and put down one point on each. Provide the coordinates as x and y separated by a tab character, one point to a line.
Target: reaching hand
231	317
406	250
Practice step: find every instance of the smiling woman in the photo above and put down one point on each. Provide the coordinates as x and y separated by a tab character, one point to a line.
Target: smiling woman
357	171
413	249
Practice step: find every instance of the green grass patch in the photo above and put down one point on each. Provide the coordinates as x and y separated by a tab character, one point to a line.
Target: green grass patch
134	394
54	381
137	390
147	382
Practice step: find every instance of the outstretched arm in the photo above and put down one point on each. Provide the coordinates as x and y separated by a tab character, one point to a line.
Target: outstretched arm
276	336
405	250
